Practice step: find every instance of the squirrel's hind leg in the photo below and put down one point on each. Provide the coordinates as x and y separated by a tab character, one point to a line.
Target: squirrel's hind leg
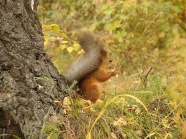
93	93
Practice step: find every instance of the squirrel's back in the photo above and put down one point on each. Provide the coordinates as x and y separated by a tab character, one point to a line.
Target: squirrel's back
87	62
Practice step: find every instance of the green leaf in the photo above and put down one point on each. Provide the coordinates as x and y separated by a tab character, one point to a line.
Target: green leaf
176	9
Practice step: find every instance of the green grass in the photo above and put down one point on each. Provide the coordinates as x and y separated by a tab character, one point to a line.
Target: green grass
139	103
136	114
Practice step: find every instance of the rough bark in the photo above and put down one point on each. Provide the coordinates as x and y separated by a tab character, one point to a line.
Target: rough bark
29	82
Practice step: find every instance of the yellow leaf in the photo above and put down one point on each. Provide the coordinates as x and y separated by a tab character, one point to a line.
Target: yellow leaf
45	40
63	47
46	27
83	102
76	46
45	43
58	102
80	52
55	28
117	24
66	102
54	25
64	42
113	136
70	49
46	37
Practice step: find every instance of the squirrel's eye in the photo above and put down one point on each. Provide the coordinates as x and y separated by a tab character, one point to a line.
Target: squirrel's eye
110	60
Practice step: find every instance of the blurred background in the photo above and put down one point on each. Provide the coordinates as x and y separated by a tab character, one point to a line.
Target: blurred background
146	40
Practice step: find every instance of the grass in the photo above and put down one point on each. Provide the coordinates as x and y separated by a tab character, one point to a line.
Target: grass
135	106
142	113
9	135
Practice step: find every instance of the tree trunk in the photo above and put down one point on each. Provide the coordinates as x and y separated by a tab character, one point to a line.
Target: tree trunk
29	82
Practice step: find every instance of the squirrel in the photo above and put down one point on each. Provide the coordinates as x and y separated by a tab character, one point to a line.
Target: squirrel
91	85
92	68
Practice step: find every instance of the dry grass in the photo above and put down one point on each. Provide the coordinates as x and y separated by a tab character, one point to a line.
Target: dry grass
138	113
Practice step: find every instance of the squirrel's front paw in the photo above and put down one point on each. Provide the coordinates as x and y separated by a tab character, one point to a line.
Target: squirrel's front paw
113	73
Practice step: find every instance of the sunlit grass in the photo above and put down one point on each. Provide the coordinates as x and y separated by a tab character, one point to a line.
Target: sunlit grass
135	106
138	113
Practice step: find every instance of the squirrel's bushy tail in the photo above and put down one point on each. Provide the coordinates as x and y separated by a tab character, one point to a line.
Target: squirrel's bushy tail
87	62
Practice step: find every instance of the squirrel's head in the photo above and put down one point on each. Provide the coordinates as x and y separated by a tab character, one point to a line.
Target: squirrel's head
106	61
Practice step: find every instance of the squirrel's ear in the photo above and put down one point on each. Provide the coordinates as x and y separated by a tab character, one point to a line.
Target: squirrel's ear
103	53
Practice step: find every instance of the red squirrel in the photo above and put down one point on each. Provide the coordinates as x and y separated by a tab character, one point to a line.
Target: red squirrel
92	68
91	85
